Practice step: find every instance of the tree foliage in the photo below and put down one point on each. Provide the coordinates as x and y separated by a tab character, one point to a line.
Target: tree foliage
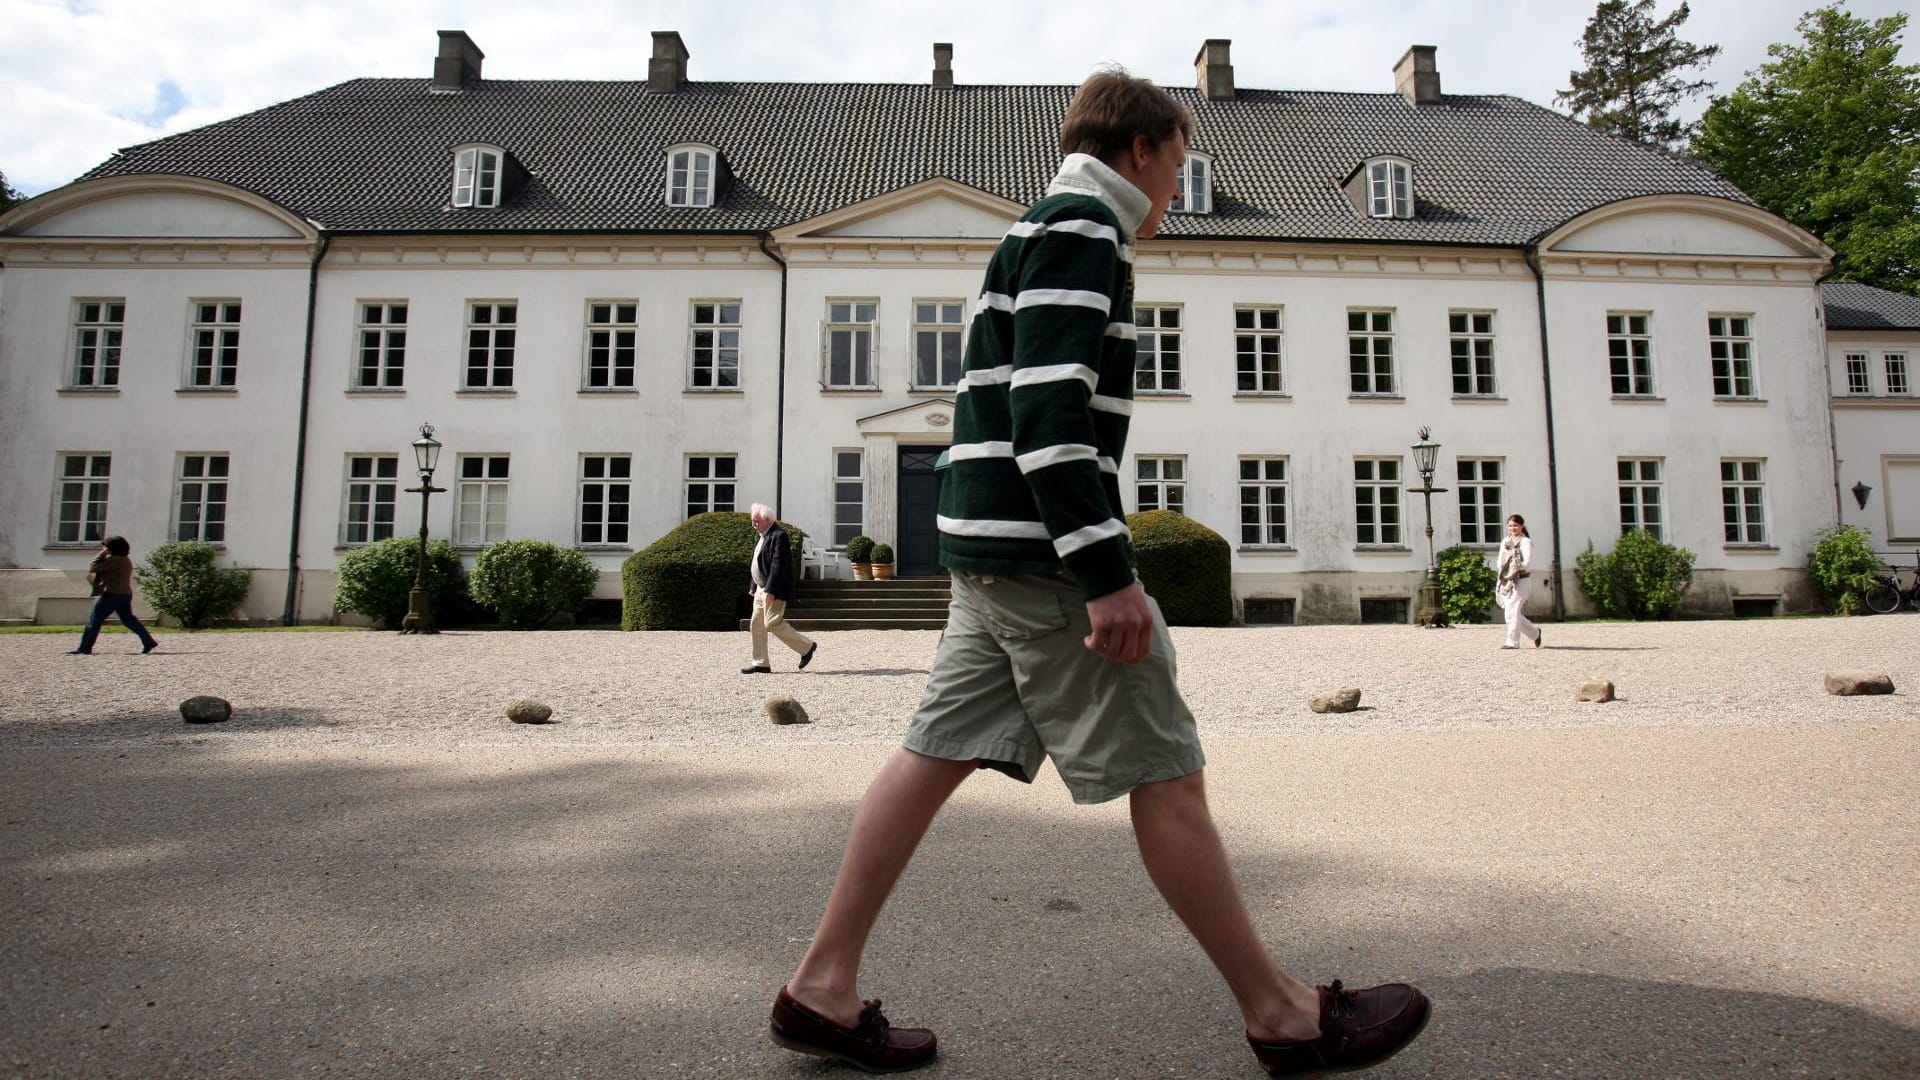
1827	135
9	198
1636	73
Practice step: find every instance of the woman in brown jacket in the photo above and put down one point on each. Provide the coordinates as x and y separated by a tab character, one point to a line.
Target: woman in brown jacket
112	577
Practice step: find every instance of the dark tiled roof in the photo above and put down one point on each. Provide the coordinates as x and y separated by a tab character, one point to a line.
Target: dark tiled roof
376	155
1853	306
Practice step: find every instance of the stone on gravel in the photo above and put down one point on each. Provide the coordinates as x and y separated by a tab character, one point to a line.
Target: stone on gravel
785	709
1595	690
205	709
525	711
1850	683
1345	699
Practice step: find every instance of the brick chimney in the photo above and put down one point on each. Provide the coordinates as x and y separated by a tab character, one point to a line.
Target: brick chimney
1213	71
943	65
1416	78
458	65
667	71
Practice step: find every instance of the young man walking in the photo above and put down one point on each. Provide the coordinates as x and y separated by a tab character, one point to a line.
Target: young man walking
1052	649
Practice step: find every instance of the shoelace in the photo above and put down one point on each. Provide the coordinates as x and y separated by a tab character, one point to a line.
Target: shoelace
872	1025
1342	1000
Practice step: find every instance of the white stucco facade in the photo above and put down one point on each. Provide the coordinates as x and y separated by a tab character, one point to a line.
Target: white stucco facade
1876	411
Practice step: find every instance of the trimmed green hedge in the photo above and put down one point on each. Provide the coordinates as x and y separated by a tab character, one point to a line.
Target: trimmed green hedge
1642	578
696	576
529	582
374	580
1184	565
1466	584
182	579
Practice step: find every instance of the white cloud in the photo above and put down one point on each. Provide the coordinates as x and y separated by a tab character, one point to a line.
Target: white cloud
73	74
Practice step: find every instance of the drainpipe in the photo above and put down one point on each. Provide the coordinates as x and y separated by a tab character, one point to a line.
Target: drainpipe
290	614
780	415
1532	255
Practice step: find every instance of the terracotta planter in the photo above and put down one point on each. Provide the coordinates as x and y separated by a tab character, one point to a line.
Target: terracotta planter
883	571
862	571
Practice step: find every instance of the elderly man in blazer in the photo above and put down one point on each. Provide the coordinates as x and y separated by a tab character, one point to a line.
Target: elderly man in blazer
773	588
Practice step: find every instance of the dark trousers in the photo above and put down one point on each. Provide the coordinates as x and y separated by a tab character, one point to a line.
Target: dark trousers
112	603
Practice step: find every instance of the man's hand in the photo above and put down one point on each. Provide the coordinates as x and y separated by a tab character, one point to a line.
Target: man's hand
1122	625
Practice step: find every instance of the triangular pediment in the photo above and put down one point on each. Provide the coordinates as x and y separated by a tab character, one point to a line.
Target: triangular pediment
939	208
932	417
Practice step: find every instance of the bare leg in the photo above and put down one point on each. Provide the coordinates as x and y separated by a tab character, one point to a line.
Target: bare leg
1189	866
892	818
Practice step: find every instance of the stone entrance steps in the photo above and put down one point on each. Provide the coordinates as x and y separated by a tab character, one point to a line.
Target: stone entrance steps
900	604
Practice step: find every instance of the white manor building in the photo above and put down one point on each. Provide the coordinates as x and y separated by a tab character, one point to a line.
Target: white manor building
621	303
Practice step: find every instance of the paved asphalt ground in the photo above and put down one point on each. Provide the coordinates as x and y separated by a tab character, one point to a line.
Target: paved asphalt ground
1691	901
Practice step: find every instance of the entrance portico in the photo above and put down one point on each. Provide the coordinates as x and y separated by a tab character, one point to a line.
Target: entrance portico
902	488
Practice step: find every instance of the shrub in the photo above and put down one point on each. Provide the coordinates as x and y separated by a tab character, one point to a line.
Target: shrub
695	577
860	549
374	580
181	580
1843	565
1641	578
528	582
1466	584
882	555
1184	565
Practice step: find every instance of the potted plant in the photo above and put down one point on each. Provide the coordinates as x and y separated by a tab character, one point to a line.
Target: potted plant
859	555
882	562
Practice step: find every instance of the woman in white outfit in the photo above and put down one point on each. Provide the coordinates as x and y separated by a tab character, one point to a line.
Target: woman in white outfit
1515	583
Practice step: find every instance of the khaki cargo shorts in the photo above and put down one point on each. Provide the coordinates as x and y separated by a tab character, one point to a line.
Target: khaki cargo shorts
1013	685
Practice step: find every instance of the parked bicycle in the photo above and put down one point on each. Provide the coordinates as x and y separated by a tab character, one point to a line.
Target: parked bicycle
1887	595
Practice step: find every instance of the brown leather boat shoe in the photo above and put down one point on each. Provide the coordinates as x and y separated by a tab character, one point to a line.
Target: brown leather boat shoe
872	1045
1358	1030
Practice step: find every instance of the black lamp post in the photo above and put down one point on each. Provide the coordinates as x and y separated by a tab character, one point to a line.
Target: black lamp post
1431	612
426	454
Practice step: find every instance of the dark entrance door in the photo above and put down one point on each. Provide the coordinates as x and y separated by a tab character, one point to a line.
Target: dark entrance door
918	553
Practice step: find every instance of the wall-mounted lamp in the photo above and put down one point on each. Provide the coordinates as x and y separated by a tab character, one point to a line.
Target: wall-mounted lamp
1860	493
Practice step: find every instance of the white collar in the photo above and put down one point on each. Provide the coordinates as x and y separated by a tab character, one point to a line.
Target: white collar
1084	174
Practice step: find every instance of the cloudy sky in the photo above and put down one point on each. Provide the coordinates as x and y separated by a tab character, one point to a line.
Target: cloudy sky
82	78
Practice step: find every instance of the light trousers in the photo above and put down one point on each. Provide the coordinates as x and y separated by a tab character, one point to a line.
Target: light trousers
1513	599
770	617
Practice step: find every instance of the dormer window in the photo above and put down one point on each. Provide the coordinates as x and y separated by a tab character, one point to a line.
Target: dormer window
690	175
477	177
1389	188
1195	195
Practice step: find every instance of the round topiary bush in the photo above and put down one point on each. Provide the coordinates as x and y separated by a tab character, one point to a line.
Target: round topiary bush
528	582
1184	565
181	580
696	576
882	555
374	580
860	549
1466	584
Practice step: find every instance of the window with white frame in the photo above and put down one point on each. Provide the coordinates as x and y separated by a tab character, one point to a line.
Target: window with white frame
1157	353
936	343
1389	189
492	329
1730	344
1743	500
381	363
1470	338
850	330
1161	483
1640	501
1194	195
1376	502
200	498
849	495
1630	353
1896	369
606	494
1257	350
216	345
690	172
1857	374
1370	351
710	483
1263	502
1482	499
714	359
476	177
98	327
372	485
80	498
612	328
480	500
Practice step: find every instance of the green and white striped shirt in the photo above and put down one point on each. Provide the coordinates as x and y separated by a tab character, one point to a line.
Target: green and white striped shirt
1032	482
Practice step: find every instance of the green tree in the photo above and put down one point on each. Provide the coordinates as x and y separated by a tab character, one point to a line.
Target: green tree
9	198
1827	135
1636	73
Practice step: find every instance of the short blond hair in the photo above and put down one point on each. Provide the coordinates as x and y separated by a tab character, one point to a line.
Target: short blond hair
1112	108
